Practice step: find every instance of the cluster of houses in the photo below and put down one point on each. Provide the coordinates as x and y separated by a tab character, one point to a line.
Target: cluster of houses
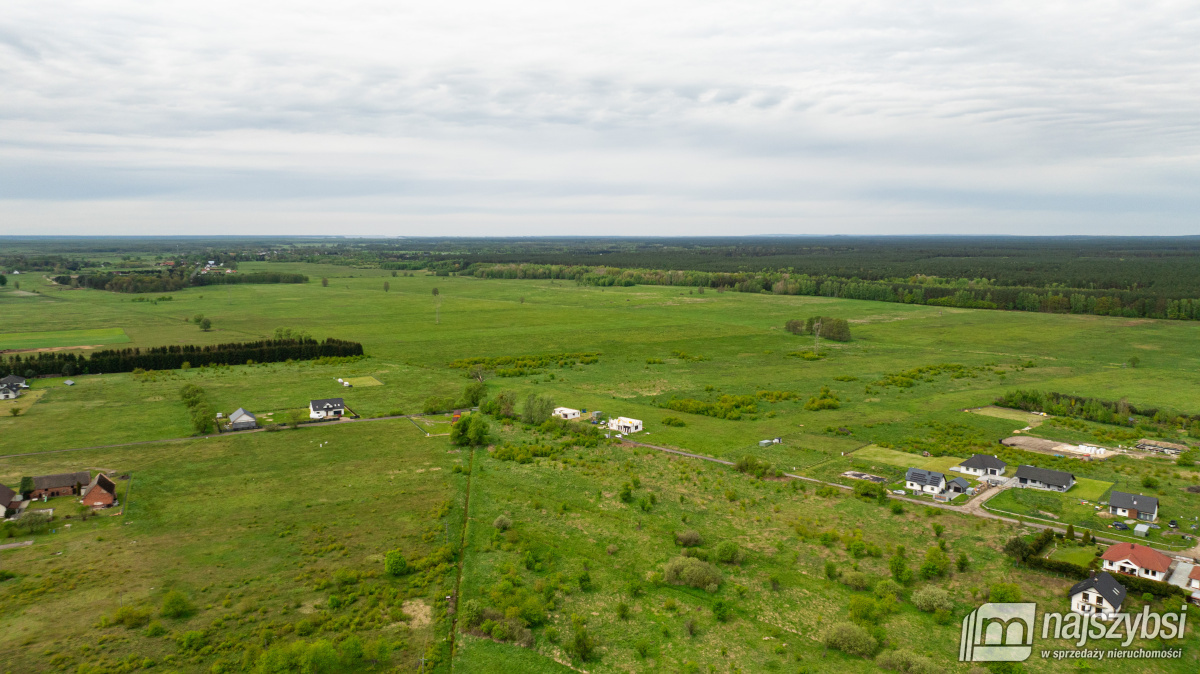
98	492
11	387
983	466
623	425
1102	594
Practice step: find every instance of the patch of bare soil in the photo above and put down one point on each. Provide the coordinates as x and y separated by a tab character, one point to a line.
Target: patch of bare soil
47	349
421	613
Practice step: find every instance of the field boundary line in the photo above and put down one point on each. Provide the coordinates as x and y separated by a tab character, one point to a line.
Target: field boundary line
462	558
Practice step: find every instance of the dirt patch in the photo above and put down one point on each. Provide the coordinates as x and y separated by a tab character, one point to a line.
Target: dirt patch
47	349
421	613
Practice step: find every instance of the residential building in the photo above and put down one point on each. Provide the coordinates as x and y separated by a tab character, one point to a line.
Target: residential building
6	497
1136	560
625	425
1043	478
1098	594
924	481
101	492
983	465
1133	506
9	392
63	484
326	409
566	413
957	486
14	380
241	420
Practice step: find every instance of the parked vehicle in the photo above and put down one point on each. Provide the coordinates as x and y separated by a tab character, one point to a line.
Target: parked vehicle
1120	526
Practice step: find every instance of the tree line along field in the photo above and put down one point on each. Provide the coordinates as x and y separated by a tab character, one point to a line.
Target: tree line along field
655	344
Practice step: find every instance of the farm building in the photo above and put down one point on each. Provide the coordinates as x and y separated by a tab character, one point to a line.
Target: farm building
14	380
1161	447
1134	506
63	484
1032	477
327	408
1100	593
625	425
8	392
566	413
1136	560
100	492
924	481
983	464
241	420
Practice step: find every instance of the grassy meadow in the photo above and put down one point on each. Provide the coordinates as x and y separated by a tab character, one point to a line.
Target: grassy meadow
277	538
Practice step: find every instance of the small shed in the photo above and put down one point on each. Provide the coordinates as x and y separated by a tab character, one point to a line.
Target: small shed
1142	530
69	382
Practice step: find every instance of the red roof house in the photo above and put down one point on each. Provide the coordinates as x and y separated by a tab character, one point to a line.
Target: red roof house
100	492
1136	560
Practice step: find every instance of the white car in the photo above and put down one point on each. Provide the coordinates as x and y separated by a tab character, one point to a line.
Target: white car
900	492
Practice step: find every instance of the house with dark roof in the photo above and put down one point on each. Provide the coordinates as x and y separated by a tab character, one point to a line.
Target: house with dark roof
983	465
6	497
1136	560
101	492
957	486
1033	477
63	484
241	420
1100	593
9	392
924	481
13	380
1134	506
326	409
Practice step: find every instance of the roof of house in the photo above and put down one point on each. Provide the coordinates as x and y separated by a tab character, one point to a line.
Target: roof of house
327	404
6	497
1104	585
984	461
1136	502
963	484
1195	574
1055	477
559	410
1144	557
62	480
12	379
11	387
101	480
922	476
241	412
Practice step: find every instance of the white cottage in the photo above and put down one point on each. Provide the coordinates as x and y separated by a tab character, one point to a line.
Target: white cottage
566	413
924	481
1098	594
625	425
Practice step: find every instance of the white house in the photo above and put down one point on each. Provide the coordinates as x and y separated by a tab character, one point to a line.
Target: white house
9	392
625	425
983	465
241	420
325	409
1136	560
14	381
1133	506
566	413
1032	477
925	481
1100	593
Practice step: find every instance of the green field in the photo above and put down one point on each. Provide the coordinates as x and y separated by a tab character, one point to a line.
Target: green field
1075	555
256	520
61	338
1088	489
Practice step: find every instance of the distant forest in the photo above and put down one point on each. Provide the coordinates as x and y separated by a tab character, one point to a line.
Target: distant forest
1157	277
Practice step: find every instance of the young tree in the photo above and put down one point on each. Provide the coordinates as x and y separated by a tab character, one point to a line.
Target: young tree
26	485
324	282
387	286
437	304
1070	532
936	563
206	324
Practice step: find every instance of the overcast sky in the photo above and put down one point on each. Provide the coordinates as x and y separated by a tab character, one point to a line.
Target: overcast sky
671	118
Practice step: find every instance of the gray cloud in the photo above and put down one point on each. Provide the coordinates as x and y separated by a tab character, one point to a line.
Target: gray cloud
666	118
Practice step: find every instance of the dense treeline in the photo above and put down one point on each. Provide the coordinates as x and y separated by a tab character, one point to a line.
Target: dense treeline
174	357
931	291
254	277
1119	412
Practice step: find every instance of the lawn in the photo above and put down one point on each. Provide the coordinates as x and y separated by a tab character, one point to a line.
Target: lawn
942	464
1082	556
888	456
60	338
1088	489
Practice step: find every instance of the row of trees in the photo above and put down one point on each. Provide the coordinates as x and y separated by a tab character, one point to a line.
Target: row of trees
174	357
1135	303
151	281
1119	412
255	277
